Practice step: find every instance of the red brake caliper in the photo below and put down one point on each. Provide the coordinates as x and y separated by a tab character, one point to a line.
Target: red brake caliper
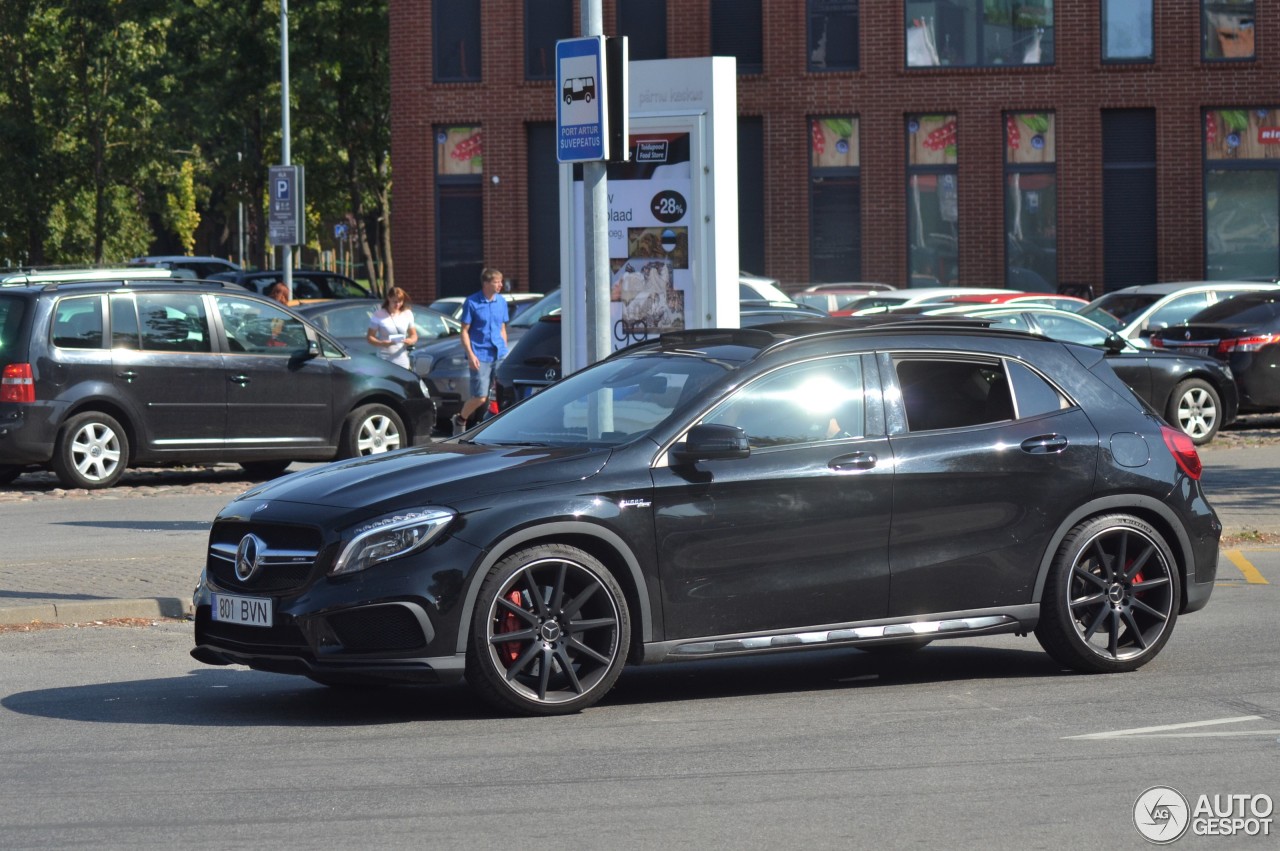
510	623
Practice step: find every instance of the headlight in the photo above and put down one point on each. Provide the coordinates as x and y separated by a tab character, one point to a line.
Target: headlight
426	391
422	364
389	537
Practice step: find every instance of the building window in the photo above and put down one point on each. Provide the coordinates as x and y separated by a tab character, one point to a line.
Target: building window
833	35
737	29
459	209
933	208
1127	31
835	200
1030	202
1242	193
644	23
545	23
970	33
1227	28
1128	198
456	30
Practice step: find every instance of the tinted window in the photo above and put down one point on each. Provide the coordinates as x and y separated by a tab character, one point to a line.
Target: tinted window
1071	328
173	322
1261	309
11	312
1178	311
124	322
953	393
77	323
256	328
807	403
1035	395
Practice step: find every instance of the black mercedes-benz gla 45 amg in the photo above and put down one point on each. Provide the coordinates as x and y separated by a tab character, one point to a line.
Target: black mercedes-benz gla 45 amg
729	492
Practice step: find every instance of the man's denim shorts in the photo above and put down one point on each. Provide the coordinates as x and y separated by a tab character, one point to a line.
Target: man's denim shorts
481	378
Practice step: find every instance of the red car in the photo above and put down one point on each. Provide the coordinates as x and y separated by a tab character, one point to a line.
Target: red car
1018	298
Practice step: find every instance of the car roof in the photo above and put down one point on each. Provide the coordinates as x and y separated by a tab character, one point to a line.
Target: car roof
37	277
1169	287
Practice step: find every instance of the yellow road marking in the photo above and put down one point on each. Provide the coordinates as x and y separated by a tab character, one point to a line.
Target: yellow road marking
1251	574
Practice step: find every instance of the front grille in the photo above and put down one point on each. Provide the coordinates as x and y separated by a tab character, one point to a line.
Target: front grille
286	562
377	628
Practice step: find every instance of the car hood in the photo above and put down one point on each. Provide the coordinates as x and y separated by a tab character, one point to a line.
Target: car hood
440	474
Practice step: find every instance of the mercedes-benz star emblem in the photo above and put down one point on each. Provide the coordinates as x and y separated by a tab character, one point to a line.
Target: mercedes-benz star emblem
249	556
550	374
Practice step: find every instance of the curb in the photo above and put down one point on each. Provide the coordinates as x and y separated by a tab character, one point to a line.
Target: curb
87	611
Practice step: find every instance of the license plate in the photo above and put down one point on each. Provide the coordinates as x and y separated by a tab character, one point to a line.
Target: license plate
248	611
527	390
1195	350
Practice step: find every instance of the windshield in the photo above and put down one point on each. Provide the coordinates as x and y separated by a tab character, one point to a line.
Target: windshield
1117	310
546	306
611	403
1249	309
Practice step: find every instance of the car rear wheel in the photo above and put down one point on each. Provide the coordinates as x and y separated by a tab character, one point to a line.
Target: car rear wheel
1111	598
371	430
92	451
550	631
264	469
1196	408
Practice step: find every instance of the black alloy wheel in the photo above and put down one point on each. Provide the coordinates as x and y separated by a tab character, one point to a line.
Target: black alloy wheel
1196	409
550	632
1112	596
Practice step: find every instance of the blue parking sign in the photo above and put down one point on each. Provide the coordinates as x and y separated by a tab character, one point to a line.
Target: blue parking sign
581	125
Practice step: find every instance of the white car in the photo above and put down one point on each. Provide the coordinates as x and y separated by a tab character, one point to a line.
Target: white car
1135	313
883	302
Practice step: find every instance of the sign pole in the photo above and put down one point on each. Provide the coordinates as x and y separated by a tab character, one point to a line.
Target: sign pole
596	213
284	125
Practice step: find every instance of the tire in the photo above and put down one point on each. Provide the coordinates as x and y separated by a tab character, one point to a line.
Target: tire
262	470
550	632
1096	618
9	472
1196	408
371	430
92	451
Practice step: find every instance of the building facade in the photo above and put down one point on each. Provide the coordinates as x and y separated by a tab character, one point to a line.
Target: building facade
1038	145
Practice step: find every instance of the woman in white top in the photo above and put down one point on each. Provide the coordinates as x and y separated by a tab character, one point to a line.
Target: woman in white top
391	329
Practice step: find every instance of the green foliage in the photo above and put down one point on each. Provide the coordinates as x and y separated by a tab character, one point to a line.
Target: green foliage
73	223
180	214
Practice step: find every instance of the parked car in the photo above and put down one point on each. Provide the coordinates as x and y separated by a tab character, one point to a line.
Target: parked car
308	284
443	364
1011	298
516	302
101	375
1242	332
534	360
1136	313
832	297
347	320
883	302
731	492
186	265
1194	393
759	288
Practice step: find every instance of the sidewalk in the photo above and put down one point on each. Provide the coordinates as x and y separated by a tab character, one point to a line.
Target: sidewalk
1241	478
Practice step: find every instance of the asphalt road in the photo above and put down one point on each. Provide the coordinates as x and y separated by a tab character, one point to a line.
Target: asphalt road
115	738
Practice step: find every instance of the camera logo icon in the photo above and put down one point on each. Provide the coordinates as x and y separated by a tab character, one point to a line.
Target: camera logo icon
1161	815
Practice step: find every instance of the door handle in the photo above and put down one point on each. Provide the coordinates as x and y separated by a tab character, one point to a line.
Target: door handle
853	461
127	375
239	378
1044	444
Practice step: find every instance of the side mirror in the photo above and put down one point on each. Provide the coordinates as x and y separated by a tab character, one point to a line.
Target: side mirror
711	442
1114	344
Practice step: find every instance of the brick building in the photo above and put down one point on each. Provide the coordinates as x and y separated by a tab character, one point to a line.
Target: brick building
977	142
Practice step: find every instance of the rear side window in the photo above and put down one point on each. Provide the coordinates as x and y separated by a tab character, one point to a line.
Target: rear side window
173	322
953	393
11	312
77	323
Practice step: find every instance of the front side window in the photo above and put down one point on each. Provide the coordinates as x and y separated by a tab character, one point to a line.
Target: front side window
1031	202
1227	29
255	328
981	33
833	35
1242	193
807	403
173	322
77	323
1127	31
933	207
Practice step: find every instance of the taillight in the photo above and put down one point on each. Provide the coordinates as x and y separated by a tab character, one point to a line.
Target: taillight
1247	344
1157	343
17	384
1184	451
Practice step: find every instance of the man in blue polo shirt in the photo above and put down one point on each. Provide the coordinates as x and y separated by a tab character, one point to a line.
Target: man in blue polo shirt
484	339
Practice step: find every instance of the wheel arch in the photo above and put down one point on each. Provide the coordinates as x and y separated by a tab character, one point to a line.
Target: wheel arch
1146	508
119	413
379	397
598	541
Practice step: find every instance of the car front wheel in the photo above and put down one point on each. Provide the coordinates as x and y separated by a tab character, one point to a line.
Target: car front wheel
371	430
92	451
1196	408
550	632
1111	598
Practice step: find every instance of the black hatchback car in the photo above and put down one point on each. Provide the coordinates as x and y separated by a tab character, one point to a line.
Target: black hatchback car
100	375
731	492
1242	332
